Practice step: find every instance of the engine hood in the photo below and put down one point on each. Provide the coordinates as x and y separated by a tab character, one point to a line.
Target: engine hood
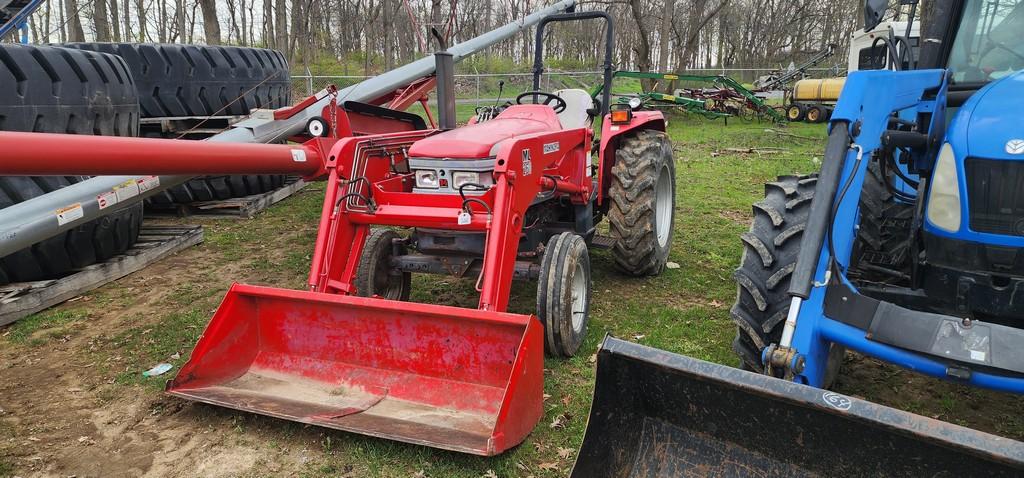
477	141
991	123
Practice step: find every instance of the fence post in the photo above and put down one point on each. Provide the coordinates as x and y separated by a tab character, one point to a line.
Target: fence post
309	82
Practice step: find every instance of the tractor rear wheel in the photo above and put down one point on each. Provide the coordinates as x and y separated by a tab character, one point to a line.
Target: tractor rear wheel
563	294
59	90
641	214
769	258
374	275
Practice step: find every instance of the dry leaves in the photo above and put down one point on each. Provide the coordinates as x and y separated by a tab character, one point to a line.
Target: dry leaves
490	474
561	420
548	466
565	452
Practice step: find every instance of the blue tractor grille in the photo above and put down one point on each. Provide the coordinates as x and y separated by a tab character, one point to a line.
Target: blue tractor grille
995	196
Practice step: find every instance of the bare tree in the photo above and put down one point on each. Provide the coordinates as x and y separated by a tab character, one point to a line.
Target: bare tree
75	33
211	24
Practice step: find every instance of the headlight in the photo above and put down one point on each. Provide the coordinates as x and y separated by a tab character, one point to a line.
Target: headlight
426	178
944	197
460	178
635	103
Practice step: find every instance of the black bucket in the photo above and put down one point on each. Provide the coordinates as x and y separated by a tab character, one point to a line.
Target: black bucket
658	414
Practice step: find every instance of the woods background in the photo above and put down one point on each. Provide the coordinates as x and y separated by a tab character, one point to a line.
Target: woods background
359	37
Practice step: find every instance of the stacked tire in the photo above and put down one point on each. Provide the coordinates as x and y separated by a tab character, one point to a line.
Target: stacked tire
200	81
61	90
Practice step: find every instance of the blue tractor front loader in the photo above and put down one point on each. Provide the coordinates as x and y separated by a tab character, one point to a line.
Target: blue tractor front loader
907	246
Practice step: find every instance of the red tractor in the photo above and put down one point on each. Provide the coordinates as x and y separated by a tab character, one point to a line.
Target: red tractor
515	194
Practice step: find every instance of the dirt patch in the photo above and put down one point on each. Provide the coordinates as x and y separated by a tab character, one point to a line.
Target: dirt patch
65	413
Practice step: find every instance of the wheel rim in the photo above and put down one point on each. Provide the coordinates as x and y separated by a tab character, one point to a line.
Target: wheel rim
794	113
812	116
663	206
579	297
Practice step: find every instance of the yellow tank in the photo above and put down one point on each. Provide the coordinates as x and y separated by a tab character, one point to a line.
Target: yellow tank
823	90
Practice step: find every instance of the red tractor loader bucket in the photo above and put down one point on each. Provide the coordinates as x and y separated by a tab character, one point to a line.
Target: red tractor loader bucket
460	379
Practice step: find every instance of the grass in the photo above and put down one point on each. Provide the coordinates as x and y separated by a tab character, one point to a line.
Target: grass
684	310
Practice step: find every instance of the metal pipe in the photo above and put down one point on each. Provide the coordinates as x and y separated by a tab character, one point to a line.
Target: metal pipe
445	90
71	154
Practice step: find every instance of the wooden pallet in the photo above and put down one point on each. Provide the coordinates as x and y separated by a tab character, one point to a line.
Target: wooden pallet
237	208
155	242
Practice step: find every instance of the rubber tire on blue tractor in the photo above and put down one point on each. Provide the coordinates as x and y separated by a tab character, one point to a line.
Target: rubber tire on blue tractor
58	90
641	213
769	258
374	274
563	294
884	235
197	81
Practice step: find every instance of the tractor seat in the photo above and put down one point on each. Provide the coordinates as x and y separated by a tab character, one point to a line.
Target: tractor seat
577	104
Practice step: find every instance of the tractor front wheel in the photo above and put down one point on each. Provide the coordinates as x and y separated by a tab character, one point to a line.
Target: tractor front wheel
642	210
769	258
563	294
375	276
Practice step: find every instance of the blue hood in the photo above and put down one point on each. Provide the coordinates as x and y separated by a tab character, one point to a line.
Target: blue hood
994	116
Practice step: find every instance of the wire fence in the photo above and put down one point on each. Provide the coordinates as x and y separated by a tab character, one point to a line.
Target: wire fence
481	88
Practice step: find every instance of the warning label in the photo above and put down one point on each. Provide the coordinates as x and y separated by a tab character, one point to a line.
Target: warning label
69	214
147	183
106	199
126	190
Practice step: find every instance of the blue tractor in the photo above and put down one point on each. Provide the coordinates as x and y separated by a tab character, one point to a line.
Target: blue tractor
907	246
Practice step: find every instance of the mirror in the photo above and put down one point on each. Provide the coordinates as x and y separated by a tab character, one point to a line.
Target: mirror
874	10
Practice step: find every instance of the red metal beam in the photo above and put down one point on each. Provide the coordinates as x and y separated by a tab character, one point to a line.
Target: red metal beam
40	154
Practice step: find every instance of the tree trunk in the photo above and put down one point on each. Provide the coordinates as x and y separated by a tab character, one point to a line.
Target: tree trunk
115	24
665	35
211	25
101	20
74	22
643	48
281	25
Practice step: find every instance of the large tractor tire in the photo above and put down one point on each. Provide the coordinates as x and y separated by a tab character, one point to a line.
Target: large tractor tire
796	112
196	80
58	90
882	251
641	214
769	258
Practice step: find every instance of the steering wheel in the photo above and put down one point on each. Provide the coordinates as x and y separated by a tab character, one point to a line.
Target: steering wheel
549	99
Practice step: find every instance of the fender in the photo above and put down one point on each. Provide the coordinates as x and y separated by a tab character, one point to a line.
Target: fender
610	135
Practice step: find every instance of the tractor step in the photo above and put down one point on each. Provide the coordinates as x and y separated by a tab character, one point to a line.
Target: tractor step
602	242
656	413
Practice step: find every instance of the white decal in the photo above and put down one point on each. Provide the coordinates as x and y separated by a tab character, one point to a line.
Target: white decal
299	156
978	355
527	164
69	214
126	190
106	199
147	183
551	148
837	401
